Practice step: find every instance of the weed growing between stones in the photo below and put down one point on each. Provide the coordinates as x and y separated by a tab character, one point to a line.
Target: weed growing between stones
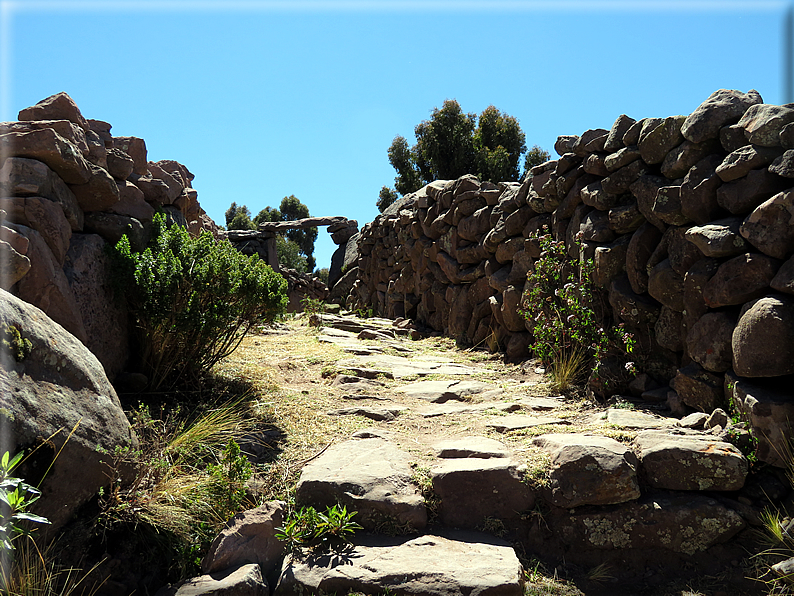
421	477
308	528
560	303
190	479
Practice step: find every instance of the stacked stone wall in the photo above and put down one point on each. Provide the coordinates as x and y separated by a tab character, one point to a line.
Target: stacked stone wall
67	188
688	220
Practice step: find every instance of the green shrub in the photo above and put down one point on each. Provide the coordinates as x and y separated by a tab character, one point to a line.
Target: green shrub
560	304
307	527
193	299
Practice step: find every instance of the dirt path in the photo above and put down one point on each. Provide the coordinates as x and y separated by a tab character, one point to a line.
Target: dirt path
306	376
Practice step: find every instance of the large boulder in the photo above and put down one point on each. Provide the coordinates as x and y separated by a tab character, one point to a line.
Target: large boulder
55	107
723	107
763	341
57	394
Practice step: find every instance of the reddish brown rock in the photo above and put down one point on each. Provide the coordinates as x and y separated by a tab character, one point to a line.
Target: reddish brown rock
667	286
99	193
44	216
589	470
46	287
55	107
22	177
645	189
68	131
136	149
13	265
762	123
742	196
698	388
47	146
120	165
643	242
694	281
699	191
784	278
659	140
679	160
720	238
614	139
750	157
634	309
740	279
249	537
132	203
669	331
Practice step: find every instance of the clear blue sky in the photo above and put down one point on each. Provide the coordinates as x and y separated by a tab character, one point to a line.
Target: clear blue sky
261	100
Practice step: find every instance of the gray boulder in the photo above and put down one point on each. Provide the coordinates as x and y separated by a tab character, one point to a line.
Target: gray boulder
57	388
768	227
763	341
682	523
723	107
762	123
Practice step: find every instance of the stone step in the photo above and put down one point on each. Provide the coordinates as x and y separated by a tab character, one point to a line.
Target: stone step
452	564
370	476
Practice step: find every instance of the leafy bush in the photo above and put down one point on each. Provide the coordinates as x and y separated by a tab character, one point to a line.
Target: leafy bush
193	299
569	338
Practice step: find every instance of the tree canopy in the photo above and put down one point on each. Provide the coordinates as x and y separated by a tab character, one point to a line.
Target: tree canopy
453	143
295	247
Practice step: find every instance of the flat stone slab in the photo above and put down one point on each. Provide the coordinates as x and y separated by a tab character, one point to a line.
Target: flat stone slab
473	489
479	447
439	392
688	460
370	476
455	564
404	367
589	469
357	384
504	424
636	420
542	403
447	409
386	414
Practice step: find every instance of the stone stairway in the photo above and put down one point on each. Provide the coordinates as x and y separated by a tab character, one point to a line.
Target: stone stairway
640	493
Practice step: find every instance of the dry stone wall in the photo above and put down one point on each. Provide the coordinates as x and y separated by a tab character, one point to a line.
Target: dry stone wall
68	187
688	220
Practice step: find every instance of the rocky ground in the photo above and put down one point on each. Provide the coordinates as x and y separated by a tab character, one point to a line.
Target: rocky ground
407	430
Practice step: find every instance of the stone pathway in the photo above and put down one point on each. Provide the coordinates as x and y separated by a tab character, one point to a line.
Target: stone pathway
461	454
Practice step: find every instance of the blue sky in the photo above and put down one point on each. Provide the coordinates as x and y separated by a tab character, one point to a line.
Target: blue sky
261	100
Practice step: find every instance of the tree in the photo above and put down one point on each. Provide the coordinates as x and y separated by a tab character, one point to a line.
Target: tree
238	218
296	249
453	143
535	156
386	197
498	143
